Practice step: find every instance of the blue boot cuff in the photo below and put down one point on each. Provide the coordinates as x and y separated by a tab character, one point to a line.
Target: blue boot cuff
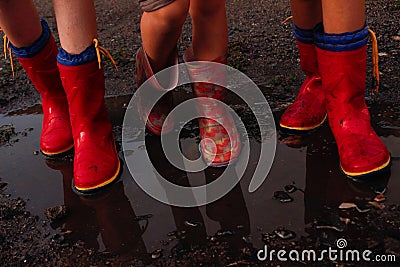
304	36
66	59
36	47
346	41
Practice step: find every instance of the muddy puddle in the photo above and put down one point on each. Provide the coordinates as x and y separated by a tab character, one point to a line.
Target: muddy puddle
303	183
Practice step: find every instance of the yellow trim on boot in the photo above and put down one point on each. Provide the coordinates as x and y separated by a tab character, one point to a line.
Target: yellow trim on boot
53	154
83	189
355	174
304	128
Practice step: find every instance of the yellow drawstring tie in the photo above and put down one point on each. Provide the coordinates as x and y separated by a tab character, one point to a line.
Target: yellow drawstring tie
375	57
287	19
102	51
6	48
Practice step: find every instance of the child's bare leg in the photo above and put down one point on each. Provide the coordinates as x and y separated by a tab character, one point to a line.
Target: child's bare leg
76	23
306	13
20	22
343	16
160	31
210	29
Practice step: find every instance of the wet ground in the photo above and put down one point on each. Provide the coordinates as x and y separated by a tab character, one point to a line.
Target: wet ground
301	194
44	223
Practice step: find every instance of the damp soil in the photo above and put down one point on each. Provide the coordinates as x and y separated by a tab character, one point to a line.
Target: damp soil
306	202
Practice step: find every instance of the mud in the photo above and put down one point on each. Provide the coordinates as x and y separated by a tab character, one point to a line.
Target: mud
43	222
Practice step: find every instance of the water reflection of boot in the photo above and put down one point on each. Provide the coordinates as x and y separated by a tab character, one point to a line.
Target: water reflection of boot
326	186
80	219
107	216
120	232
188	220
230	211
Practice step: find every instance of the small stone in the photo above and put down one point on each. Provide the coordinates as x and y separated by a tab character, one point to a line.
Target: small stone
156	254
290	188
284	233
347	205
35	152
380	198
193	224
282	196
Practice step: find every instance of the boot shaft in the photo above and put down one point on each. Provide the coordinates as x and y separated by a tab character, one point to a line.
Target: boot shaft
308	58
84	87
211	74
43	72
343	73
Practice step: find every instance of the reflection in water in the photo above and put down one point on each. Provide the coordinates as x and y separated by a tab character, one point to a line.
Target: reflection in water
107	218
230	211
109	222
327	188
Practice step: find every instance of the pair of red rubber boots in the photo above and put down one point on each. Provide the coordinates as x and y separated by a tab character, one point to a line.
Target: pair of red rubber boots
74	116
335	88
220	142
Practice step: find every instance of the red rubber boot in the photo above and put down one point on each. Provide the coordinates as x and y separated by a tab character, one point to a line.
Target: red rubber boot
154	117
343	74
56	137
96	163
220	145
308	111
